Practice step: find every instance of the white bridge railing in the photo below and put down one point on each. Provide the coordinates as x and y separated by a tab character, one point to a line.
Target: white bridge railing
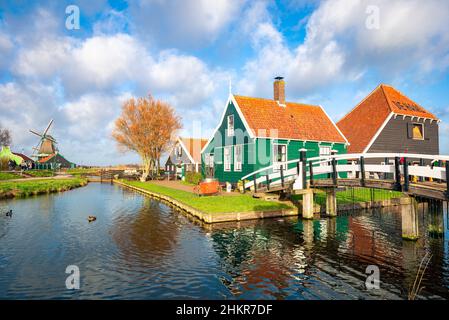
352	166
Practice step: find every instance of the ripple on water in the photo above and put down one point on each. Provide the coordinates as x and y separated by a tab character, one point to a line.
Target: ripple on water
140	248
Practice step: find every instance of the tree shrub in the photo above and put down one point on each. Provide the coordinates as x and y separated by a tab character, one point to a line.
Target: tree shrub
193	177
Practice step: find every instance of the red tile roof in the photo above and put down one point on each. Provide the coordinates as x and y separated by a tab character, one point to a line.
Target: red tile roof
362	123
194	147
24	157
43	160
294	121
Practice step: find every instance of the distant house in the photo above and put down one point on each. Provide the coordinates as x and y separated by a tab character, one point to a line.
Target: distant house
387	121
254	133
26	160
53	162
185	156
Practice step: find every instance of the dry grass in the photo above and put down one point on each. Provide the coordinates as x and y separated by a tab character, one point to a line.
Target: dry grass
416	288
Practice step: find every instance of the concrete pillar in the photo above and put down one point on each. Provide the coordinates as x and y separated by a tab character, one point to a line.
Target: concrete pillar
331	202
307	204
409	219
436	220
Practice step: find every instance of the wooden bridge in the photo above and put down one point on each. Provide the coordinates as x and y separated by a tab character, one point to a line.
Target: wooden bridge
413	174
104	175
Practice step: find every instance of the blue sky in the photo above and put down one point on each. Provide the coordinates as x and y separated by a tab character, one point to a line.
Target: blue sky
186	51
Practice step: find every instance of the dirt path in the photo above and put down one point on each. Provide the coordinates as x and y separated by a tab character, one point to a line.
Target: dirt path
66	176
176	184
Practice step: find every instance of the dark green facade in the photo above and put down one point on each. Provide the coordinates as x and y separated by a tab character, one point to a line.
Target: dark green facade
257	152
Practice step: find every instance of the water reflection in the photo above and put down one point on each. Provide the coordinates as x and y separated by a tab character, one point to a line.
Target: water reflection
142	249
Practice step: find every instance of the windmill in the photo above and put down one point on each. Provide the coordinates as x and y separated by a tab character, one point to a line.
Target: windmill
46	145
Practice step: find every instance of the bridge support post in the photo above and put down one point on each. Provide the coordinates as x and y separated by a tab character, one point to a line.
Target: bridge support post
409	216
307	204
303	159
406	176
311	173
397	174
362	171
334	171
331	202
421	164
447	180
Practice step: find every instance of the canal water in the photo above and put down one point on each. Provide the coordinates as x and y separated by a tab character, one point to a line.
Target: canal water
139	248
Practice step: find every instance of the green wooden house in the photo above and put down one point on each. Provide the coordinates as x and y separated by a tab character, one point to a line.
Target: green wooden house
254	133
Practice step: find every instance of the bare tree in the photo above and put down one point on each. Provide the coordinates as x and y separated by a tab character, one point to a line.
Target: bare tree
5	137
147	127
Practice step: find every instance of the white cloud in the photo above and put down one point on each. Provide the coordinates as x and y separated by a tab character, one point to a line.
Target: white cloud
339	47
183	23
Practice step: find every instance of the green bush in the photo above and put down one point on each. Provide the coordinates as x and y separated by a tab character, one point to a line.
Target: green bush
193	177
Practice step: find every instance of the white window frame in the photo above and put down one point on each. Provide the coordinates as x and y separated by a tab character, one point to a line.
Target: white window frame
227	158
230	131
278	164
238	164
179	151
327	153
422	126
209	160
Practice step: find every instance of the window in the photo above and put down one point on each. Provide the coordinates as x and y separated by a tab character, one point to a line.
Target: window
179	151
418	131
279	156
238	158
325	151
209	160
230	125
227	158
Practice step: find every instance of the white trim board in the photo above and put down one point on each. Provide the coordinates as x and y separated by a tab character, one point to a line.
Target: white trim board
239	112
186	151
336	127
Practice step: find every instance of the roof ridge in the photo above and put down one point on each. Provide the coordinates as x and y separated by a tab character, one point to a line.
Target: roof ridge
290	102
387	97
424	110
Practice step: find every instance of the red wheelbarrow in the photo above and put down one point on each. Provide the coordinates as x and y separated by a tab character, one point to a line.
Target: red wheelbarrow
207	188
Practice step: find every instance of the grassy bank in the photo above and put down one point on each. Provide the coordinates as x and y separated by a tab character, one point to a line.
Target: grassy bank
356	195
40	173
35	187
9	176
212	204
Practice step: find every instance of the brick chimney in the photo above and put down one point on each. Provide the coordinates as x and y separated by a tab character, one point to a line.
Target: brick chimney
279	90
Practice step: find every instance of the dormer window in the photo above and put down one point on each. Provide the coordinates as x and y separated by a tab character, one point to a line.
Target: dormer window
230	125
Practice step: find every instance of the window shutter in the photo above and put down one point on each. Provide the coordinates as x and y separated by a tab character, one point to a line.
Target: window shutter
409	130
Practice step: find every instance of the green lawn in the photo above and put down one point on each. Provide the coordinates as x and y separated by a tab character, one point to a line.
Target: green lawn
360	195
40	173
9	175
34	187
212	204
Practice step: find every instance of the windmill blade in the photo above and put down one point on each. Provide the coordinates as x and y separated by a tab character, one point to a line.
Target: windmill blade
48	127
37	134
